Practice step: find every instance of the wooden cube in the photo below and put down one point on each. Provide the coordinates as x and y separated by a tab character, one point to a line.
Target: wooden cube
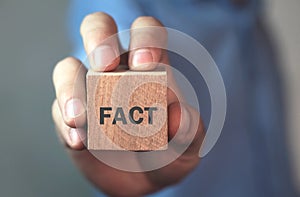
127	110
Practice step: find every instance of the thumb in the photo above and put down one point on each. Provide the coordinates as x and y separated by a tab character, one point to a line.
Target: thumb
185	125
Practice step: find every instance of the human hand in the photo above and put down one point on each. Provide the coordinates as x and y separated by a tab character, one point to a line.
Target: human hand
69	109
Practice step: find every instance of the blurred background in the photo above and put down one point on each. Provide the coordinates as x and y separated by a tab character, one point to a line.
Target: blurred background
33	38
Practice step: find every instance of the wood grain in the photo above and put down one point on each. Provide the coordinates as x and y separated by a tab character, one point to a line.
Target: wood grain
126	89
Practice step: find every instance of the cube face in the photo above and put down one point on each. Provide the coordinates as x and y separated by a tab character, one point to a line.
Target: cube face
127	110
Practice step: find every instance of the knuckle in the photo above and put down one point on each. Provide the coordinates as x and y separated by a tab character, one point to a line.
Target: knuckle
96	15
68	61
61	67
94	38
150	29
94	20
146	19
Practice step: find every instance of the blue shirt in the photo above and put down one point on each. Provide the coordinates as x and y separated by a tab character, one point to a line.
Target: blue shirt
250	158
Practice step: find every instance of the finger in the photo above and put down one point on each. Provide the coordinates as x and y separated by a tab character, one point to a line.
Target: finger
69	83
148	40
186	133
102	49
70	136
185	125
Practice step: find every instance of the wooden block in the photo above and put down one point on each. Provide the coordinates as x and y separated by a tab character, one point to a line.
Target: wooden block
127	110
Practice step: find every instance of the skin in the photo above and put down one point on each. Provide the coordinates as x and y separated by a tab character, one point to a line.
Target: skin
94	29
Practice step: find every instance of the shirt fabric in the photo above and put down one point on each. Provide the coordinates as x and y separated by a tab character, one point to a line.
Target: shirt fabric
250	157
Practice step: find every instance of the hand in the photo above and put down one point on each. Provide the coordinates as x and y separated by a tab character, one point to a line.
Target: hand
69	108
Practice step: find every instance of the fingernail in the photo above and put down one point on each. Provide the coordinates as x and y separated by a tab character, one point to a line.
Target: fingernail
103	56
74	108
142	60
74	137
